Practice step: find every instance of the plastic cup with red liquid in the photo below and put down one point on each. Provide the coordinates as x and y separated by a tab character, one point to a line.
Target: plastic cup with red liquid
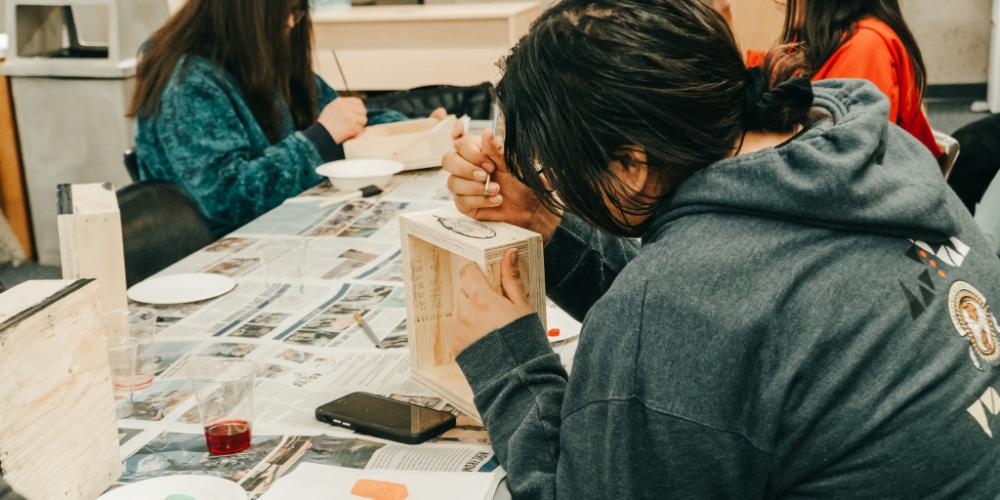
223	389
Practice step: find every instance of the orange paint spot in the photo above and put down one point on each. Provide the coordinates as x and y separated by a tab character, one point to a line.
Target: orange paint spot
942	274
379	490
934	264
554	332
923	254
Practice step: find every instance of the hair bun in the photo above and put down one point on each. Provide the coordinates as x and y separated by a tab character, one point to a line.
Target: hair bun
779	109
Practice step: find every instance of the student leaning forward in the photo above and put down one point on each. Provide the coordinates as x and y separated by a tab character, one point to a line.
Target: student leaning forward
807	313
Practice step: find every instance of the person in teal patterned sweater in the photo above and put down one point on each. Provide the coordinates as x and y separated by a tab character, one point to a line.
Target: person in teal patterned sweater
229	109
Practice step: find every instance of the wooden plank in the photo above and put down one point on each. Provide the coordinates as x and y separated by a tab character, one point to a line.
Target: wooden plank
13	200
58	432
415	143
436	245
90	242
417	13
401	47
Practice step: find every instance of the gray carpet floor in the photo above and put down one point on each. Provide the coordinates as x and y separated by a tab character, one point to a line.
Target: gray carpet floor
949	115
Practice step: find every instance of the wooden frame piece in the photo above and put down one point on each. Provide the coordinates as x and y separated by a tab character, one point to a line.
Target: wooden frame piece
415	143
58	430
436	245
90	241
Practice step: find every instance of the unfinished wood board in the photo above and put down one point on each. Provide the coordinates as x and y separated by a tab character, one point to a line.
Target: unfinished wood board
58	432
436	246
414	143
398	47
13	201
90	242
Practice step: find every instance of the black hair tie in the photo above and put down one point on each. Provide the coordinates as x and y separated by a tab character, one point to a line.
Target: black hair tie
778	109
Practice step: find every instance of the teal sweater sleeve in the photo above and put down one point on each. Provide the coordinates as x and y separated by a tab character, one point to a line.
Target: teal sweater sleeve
209	150
206	140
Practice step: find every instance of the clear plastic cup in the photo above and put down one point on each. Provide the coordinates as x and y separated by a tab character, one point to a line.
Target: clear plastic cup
282	263
223	389
142	329
121	358
140	326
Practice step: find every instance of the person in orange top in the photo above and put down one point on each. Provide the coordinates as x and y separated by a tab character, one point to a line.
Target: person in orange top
866	39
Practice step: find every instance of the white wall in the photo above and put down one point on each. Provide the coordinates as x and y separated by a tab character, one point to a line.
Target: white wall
954	37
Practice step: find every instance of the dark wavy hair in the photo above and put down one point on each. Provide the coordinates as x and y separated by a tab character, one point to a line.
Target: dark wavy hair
595	82
822	26
250	40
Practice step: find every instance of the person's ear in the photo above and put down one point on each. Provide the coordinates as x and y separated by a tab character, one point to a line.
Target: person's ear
635	172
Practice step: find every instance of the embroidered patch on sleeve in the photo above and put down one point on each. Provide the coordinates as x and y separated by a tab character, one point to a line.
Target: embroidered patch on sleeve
974	320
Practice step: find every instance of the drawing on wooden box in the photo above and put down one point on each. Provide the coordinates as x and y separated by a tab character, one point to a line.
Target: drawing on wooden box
467	227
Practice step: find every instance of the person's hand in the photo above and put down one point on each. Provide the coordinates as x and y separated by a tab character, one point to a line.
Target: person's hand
344	118
458	131
480	309
506	199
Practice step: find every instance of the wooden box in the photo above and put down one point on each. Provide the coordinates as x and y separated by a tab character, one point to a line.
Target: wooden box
58	433
436	245
90	243
415	143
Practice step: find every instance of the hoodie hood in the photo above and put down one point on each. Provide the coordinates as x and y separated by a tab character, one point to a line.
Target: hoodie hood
852	171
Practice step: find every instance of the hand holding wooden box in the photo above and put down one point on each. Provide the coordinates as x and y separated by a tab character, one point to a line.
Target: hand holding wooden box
436	245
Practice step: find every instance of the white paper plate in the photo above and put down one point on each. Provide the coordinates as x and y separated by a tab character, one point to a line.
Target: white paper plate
351	175
182	487
181	289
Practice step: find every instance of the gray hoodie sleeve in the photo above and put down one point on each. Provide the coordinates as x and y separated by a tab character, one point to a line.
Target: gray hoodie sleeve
581	263
521	407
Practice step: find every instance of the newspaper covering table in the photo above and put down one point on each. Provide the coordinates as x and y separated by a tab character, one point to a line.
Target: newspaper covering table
306	344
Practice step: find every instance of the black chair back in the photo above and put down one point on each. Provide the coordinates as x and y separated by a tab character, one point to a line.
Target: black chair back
160	225
475	101
131	164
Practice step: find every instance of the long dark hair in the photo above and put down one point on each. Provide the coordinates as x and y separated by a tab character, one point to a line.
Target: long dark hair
595	82
824	25
250	40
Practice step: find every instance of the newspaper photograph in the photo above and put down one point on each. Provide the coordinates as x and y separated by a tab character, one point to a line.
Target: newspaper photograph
310	217
272	456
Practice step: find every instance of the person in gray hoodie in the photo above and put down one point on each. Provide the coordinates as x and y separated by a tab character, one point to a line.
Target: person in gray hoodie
807	312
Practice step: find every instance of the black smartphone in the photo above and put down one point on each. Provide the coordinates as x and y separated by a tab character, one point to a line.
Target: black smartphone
385	418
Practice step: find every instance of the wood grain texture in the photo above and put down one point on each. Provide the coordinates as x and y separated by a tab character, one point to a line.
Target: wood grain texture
58	432
436	245
407	46
90	242
414	143
13	200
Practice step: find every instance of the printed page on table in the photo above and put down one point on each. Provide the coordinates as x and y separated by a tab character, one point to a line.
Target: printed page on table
319	481
166	452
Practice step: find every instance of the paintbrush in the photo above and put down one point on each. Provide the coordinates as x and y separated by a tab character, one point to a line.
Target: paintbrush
367	329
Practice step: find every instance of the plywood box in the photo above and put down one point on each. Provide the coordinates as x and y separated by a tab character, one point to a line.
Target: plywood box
58	434
90	242
436	246
415	143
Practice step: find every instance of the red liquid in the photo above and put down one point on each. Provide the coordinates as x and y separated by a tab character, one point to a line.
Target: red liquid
227	437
